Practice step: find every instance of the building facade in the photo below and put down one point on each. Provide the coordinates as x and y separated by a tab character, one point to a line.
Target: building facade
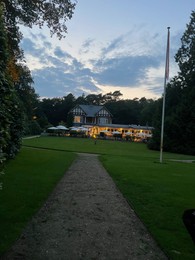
133	132
98	122
90	115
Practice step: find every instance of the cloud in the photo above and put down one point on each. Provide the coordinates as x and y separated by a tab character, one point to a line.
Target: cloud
28	45
123	71
53	82
58	52
56	72
35	48
86	46
130	62
38	36
114	45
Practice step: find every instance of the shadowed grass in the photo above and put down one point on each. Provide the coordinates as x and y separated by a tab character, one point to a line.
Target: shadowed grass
102	147
159	193
27	182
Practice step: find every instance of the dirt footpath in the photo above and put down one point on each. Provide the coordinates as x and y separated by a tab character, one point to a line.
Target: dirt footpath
86	217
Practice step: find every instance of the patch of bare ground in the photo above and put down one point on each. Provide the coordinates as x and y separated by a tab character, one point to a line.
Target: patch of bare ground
86	217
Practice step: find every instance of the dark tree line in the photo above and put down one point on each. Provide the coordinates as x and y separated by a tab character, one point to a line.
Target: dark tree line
136	111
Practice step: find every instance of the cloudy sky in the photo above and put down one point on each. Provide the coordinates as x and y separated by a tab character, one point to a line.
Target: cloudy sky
111	45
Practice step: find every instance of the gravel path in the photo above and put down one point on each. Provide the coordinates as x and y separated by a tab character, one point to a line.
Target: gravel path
86	217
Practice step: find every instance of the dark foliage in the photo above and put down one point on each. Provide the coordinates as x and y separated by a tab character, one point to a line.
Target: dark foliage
20	111
179	132
136	111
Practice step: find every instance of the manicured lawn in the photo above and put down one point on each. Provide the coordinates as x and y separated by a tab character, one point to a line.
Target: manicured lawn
102	147
159	193
28	181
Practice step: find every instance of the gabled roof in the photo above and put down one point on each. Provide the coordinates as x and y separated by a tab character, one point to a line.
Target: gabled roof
92	111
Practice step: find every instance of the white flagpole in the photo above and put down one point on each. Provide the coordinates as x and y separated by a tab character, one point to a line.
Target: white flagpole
164	95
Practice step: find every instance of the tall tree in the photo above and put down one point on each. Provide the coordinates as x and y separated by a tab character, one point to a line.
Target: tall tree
53	13
11	114
56	109
15	79
180	95
185	57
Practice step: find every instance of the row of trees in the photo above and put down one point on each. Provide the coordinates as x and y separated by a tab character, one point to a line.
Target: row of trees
17	96
136	111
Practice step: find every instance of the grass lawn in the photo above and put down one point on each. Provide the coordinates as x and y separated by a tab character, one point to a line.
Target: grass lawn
27	182
159	193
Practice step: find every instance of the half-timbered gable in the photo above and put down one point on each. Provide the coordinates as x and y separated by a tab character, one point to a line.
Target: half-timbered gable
91	115
78	111
103	116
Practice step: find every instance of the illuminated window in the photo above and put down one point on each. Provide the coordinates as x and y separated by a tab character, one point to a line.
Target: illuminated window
77	119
